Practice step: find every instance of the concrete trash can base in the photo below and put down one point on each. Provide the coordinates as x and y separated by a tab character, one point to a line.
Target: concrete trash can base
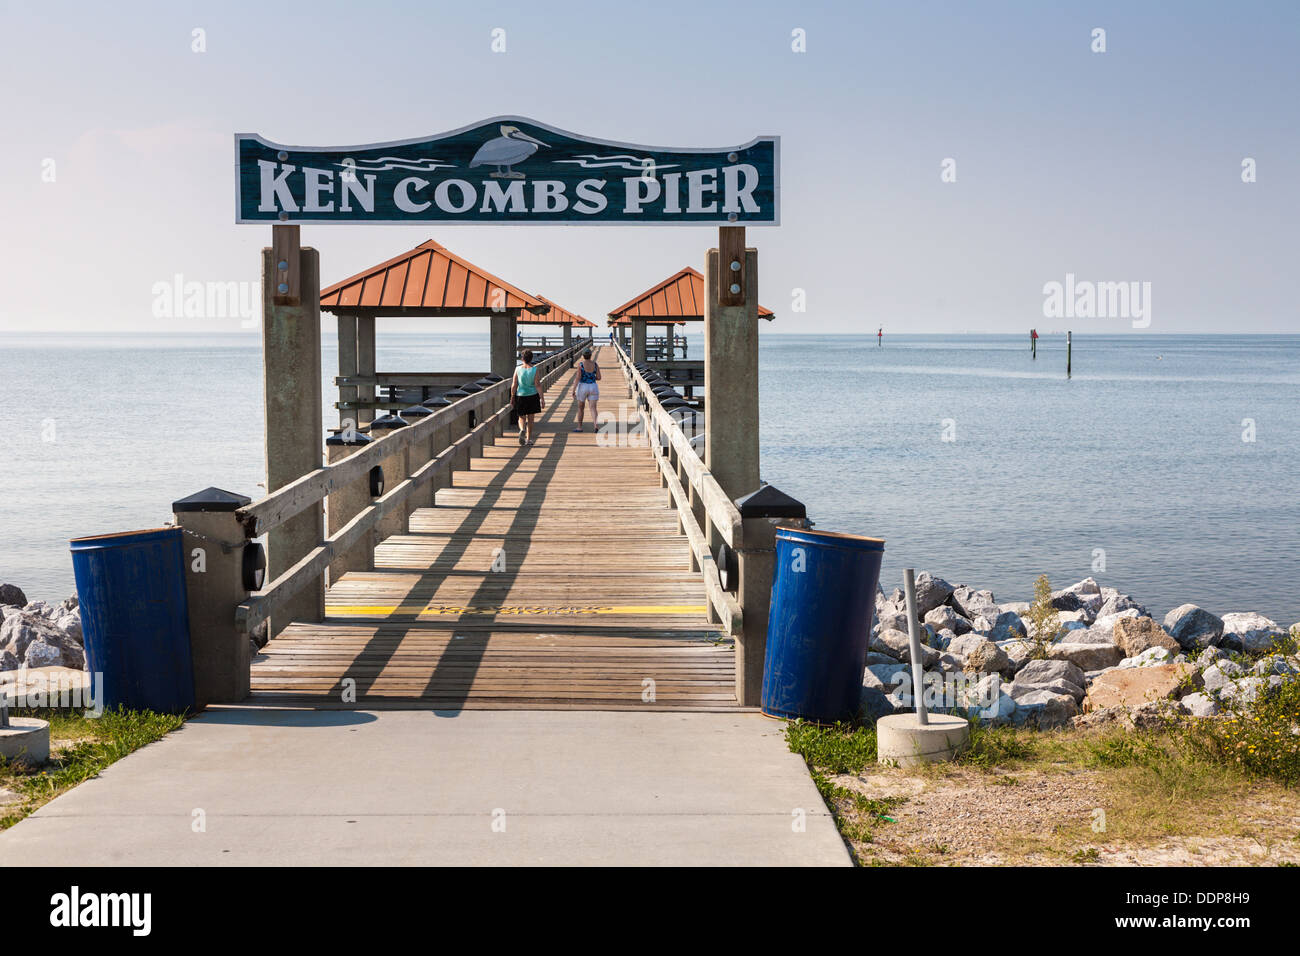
26	738
901	740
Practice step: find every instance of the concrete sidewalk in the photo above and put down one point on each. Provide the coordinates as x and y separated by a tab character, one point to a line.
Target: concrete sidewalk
349	788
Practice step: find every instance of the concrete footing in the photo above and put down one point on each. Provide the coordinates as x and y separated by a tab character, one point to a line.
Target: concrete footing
25	738
902	741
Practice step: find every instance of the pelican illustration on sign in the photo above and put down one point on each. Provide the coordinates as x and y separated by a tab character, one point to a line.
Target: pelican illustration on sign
512	146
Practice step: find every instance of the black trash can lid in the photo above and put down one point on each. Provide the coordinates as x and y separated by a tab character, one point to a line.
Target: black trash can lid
770	502
210	499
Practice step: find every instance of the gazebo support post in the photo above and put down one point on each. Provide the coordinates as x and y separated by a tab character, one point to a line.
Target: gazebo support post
638	340
347	367
502	341
366	364
291	380
568	336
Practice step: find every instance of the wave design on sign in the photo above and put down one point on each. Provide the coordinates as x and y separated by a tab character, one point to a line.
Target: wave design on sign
396	162
619	160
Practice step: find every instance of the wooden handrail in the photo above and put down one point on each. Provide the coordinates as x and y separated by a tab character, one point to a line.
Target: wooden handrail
728	608
722	511
282	504
262	605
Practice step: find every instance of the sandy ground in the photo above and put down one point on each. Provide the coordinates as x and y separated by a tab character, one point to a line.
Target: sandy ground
967	817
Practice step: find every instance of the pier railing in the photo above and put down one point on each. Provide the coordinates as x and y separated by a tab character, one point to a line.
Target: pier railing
705	513
369	489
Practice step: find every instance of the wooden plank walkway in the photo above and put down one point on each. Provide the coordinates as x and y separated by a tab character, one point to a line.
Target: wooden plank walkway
591	604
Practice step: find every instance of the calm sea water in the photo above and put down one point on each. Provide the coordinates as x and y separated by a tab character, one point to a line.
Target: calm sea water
968	457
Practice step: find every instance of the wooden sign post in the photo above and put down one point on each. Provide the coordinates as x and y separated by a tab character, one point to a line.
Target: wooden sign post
291	382
731	410
288	271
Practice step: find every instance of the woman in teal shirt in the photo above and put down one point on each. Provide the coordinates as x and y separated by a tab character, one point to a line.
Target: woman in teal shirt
525	397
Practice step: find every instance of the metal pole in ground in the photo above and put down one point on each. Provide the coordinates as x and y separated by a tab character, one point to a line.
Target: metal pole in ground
914	647
907	740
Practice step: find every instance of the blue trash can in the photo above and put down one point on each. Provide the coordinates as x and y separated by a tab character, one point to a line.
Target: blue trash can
135	618
823	597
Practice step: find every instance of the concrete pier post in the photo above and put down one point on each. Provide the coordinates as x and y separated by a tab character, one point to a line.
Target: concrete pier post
345	503
761	513
502	343
755	561
291	377
214	545
395	468
568	336
731	438
366	364
347	367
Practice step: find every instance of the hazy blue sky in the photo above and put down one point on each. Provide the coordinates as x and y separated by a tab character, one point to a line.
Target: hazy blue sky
1115	166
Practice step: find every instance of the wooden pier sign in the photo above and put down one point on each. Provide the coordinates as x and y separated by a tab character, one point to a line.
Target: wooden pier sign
508	170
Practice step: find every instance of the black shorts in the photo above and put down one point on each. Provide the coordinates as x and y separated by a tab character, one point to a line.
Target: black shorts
528	404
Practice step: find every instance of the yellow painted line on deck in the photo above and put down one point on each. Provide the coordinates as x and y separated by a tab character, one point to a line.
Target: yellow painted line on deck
370	610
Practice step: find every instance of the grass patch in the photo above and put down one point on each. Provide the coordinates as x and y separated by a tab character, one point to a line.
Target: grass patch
993	748
856	814
842	749
80	747
833	748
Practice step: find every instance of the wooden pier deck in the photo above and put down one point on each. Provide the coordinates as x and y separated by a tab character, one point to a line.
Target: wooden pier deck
549	577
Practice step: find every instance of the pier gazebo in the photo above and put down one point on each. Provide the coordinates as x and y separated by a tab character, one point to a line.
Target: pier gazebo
428	281
558	317
675	301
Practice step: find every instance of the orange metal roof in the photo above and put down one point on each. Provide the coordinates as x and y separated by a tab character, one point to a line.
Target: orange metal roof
428	279
557	316
678	298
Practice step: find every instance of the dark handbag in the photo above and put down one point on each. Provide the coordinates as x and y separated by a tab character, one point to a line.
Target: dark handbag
514	415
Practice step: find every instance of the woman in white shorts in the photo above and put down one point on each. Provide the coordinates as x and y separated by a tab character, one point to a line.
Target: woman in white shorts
585	388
